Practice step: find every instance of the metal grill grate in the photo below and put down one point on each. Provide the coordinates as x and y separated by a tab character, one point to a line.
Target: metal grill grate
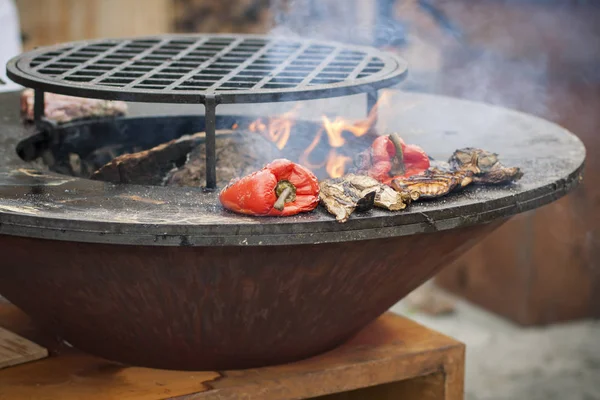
178	68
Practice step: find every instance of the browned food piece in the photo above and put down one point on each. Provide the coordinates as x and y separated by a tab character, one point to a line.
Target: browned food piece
148	167
237	155
486	166
385	196
341	198
433	183
60	108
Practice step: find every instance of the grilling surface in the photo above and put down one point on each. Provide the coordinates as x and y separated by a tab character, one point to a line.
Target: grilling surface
185	68
49	205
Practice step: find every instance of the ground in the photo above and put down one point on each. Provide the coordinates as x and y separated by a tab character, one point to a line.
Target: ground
509	362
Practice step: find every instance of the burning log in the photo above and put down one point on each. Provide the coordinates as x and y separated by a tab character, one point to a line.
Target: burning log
61	109
238	155
182	162
343	196
486	167
148	167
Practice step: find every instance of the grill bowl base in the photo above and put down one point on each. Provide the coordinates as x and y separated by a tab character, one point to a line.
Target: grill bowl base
216	308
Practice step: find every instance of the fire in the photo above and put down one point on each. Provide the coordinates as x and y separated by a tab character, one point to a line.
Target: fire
304	158
258	126
340	125
336	164
278	130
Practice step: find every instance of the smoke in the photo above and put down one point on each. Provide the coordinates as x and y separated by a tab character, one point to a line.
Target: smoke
339	20
502	52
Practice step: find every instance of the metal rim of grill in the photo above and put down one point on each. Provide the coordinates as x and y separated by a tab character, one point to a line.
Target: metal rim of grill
187	68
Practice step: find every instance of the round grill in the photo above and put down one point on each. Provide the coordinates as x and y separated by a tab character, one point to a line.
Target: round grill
187	68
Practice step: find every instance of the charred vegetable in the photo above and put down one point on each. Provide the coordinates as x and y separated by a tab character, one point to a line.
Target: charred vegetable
281	188
433	182
389	157
343	196
485	166
385	196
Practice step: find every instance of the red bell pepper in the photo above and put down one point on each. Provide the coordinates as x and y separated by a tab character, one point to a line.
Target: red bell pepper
391	158
281	188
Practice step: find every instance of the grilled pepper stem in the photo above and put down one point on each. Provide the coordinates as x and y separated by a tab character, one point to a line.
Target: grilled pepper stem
398	162
285	192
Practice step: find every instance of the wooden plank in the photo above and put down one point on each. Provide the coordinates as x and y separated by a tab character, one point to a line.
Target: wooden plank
54	21
15	350
428	387
391	349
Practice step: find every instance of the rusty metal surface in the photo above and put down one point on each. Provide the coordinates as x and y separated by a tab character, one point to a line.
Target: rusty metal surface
219	307
37	204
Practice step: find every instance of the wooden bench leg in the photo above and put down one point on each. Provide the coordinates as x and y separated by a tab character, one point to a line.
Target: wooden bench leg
443	385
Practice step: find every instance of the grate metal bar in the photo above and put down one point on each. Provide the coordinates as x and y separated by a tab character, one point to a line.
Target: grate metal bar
62	56
168	63
205	64
282	66
188	68
330	57
122	66
109	51
360	67
245	64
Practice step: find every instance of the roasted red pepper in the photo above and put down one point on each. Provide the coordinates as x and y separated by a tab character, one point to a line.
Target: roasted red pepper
279	189
392	158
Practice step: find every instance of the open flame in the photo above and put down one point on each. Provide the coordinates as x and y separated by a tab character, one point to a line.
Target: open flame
278	130
336	164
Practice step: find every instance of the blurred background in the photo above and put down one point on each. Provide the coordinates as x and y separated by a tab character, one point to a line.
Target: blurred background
526	299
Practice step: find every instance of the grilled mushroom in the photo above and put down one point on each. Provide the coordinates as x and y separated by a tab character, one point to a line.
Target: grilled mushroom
486	166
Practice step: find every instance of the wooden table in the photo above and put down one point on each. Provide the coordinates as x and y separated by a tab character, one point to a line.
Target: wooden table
393	358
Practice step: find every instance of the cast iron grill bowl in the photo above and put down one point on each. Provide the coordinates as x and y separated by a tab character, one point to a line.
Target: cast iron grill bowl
164	277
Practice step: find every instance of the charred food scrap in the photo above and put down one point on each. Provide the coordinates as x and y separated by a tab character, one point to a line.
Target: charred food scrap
465	166
485	166
433	183
343	196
